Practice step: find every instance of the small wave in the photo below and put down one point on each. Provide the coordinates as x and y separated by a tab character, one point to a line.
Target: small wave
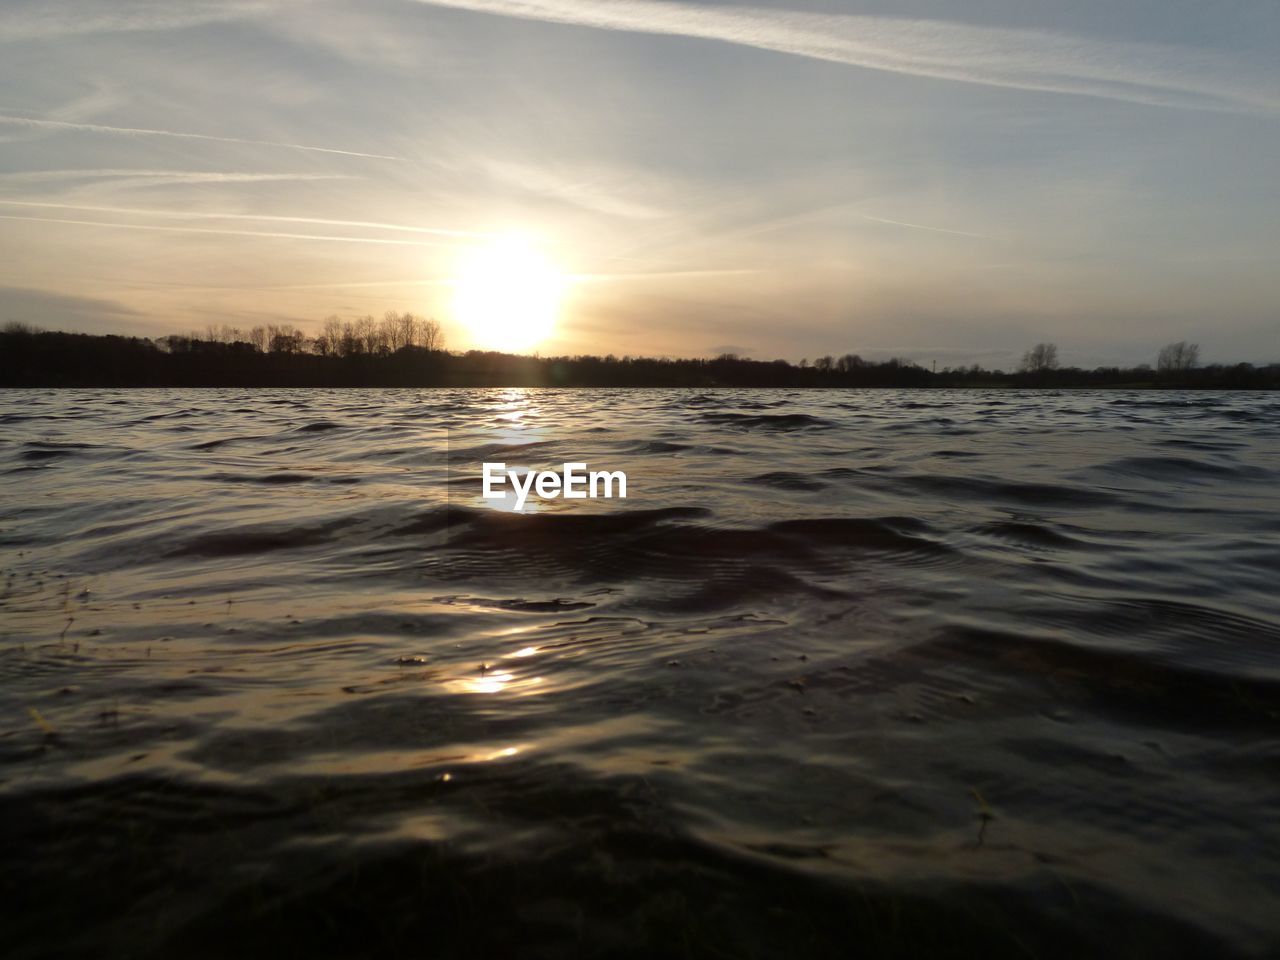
1182	468
35	455
768	421
251	541
1127	683
269	479
657	446
556	605
786	480
1026	533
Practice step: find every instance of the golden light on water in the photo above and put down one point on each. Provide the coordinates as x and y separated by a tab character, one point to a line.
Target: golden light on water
508	295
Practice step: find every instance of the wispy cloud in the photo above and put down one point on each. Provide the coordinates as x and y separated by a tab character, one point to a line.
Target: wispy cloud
922	226
43	19
1025	59
277	235
660	275
600	191
257	217
43	124
136	177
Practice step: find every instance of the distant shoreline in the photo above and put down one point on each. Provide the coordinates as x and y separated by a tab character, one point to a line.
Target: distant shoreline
53	359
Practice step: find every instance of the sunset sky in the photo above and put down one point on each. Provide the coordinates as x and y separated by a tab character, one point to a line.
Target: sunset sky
932	179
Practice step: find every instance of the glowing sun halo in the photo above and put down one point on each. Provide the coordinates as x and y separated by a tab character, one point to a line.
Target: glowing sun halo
507	295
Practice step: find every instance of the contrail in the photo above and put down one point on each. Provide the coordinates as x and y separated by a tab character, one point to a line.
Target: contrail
1043	60
257	217
166	176
921	226
145	132
225	233
659	274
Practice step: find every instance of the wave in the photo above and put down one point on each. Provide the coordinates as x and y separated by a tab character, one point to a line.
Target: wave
768	421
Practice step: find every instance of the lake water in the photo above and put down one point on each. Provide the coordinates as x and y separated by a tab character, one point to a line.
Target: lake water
848	672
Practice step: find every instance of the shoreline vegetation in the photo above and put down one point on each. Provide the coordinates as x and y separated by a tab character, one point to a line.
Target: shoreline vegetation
406	351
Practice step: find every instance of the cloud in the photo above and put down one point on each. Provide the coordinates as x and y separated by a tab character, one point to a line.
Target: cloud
1041	60
43	19
144	132
216	231
921	226
258	217
598	190
136	177
661	275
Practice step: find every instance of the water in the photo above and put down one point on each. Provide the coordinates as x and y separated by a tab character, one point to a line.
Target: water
894	673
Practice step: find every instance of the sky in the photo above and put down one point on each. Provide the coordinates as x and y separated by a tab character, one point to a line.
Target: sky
939	180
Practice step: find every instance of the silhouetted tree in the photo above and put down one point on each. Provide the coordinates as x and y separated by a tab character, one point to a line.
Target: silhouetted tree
286	338
1041	358
329	339
1178	357
430	336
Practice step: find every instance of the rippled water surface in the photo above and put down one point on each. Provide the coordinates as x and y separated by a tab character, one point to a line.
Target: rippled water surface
848	673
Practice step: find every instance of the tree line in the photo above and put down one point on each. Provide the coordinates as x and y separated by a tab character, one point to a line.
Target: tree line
1173	358
403	350
363	336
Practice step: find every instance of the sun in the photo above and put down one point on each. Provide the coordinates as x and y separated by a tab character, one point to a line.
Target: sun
507	294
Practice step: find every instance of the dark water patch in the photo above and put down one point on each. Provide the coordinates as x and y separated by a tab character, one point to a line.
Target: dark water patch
1122	683
1201	444
555	605
432	520
1191	633
891	534
250	541
724	589
223	441
768	421
614	879
989	490
1185	469
786	480
954	454
1034	535
656	446
512	530
274	479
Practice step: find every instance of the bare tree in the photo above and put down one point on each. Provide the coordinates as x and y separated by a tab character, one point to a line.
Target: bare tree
285	338
407	329
258	337
429	334
389	333
365	335
1178	357
1041	357
329	340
